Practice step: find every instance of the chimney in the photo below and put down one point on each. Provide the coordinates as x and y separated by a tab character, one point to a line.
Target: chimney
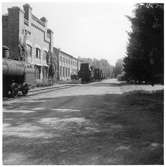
27	10
44	20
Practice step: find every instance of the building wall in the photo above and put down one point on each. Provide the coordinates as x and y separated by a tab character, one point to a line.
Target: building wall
5	30
11	30
35	39
67	66
22	27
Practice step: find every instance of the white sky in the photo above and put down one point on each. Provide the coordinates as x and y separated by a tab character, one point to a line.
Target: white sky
86	29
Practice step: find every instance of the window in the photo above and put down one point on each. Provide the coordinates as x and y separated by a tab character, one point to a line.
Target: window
61	58
66	72
45	72
60	70
37	72
69	71
45	55
38	53
29	50
63	71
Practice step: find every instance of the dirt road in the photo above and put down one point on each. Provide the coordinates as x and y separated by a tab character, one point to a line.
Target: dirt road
92	124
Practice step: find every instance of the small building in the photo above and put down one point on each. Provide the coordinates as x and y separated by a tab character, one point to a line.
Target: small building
28	39
67	64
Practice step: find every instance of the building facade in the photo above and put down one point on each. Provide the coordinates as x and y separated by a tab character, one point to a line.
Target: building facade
67	64
28	38
55	62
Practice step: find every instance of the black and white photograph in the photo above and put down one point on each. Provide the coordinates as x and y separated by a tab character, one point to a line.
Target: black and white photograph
82	82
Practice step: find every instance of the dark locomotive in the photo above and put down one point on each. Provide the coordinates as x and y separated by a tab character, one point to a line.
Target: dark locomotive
89	73
18	76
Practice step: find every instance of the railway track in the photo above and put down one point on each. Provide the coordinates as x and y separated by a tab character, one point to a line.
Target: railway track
39	91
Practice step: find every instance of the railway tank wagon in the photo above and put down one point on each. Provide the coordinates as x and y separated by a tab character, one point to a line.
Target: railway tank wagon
85	73
17	75
89	73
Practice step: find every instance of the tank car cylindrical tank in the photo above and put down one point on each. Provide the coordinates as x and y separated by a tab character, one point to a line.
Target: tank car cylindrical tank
85	73
13	67
14	76
89	73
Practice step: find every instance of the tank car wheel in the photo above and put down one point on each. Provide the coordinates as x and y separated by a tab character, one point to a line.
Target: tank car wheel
25	89
14	89
82	81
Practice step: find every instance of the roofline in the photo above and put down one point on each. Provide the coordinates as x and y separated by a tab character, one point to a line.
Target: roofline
66	53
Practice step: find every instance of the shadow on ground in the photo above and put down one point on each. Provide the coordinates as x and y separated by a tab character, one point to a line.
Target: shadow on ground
85	130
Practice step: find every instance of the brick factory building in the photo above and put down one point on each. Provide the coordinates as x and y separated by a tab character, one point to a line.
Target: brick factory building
28	38
67	64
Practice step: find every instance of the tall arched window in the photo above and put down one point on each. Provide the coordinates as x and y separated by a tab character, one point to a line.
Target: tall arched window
45	55
38	53
29	50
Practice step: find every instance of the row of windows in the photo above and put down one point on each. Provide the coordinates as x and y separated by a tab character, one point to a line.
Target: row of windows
39	70
68	61
37	53
64	71
45	56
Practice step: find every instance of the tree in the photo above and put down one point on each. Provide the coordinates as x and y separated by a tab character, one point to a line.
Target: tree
145	51
51	70
118	67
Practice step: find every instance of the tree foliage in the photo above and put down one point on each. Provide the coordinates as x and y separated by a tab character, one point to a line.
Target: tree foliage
118	68
145	51
51	71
